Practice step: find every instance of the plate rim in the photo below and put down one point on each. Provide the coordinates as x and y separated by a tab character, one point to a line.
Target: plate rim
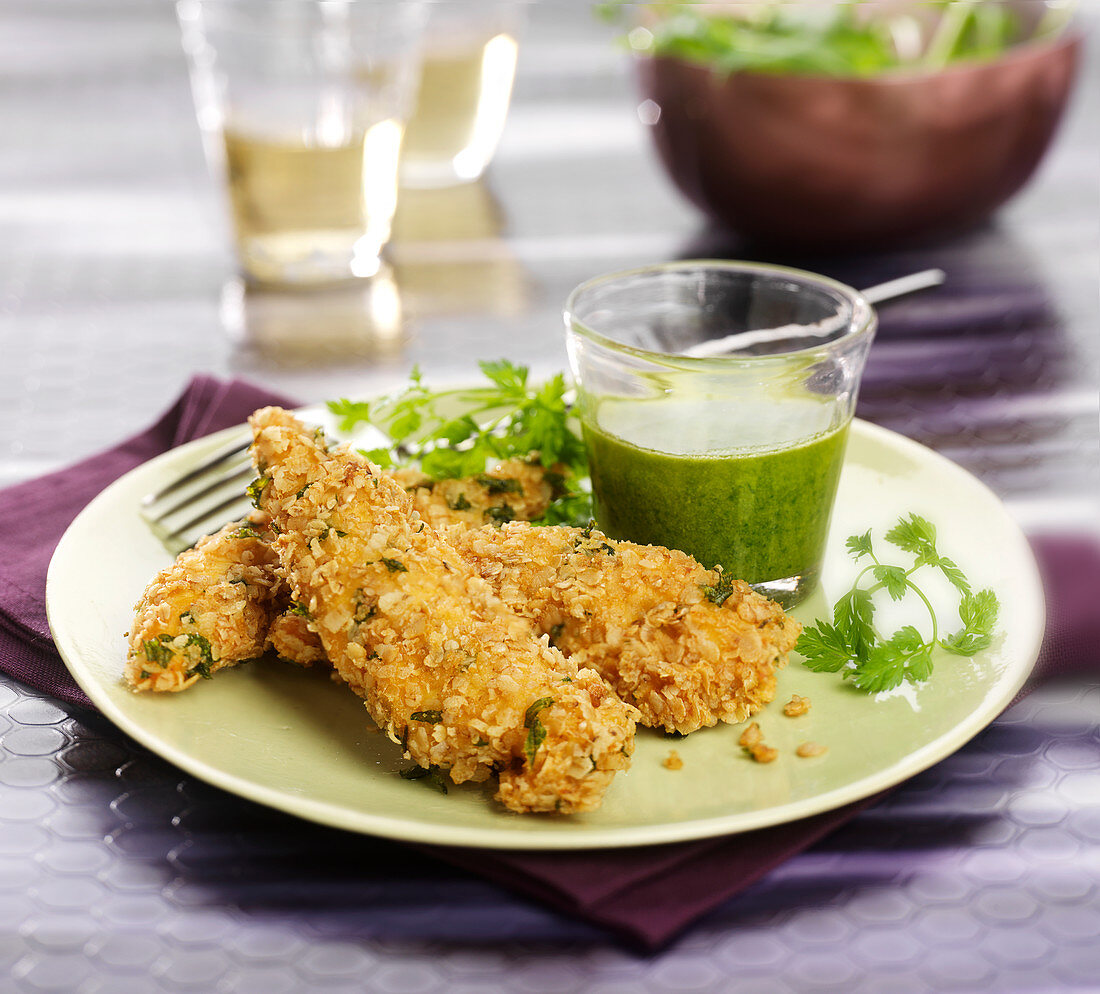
501	837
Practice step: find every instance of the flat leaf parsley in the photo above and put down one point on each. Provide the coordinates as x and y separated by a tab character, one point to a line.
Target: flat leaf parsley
853	647
507	418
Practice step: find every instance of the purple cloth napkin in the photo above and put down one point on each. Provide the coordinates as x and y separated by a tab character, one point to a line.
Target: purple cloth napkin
647	894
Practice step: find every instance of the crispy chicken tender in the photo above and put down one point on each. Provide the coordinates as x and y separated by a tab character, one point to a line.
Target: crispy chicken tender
516	489
519	489
461	681
640	615
210	609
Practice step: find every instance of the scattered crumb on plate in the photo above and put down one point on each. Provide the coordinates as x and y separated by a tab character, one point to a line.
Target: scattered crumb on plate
752	741
672	761
796	706
809	749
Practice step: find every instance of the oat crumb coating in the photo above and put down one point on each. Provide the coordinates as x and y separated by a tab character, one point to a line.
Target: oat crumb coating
210	609
640	616
291	639
519	489
514	490
462	682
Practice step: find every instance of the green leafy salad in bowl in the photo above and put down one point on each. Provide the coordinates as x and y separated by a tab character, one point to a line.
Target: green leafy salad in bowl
852	126
838	39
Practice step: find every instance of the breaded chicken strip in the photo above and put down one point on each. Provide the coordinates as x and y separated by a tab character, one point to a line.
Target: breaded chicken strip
519	489
462	682
684	645
210	609
515	488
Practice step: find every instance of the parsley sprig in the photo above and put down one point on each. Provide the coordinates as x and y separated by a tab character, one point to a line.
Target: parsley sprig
852	646
507	418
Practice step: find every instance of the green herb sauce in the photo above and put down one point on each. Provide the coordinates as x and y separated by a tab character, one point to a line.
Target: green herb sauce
761	514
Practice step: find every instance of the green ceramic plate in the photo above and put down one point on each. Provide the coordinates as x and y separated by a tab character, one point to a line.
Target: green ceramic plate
295	740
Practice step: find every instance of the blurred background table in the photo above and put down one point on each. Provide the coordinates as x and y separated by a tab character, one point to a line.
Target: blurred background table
119	874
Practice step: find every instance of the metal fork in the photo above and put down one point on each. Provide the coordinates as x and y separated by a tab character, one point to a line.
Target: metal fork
203	499
213	493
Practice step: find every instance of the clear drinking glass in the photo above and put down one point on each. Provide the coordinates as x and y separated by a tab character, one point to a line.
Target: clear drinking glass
303	105
465	87
715	399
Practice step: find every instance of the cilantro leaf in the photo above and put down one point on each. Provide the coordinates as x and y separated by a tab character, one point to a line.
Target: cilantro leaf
351	413
535	738
532	712
954	575
853	616
915	534
978	613
860	545
506	375
721	591
507	417
893	579
825	648
851	646
383	458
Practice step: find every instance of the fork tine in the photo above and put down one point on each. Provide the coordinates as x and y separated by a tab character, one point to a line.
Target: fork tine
230	476
201	470
179	533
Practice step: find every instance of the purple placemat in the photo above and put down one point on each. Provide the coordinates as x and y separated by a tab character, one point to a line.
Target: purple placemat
647	894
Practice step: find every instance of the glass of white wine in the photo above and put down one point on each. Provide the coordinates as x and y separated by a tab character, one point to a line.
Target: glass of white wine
303	106
466	76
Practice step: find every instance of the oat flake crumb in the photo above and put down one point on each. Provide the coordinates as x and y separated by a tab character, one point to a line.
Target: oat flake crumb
809	749
672	761
762	753
796	706
751	736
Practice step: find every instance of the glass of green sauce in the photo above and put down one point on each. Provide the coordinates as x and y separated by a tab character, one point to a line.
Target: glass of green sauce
715	399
